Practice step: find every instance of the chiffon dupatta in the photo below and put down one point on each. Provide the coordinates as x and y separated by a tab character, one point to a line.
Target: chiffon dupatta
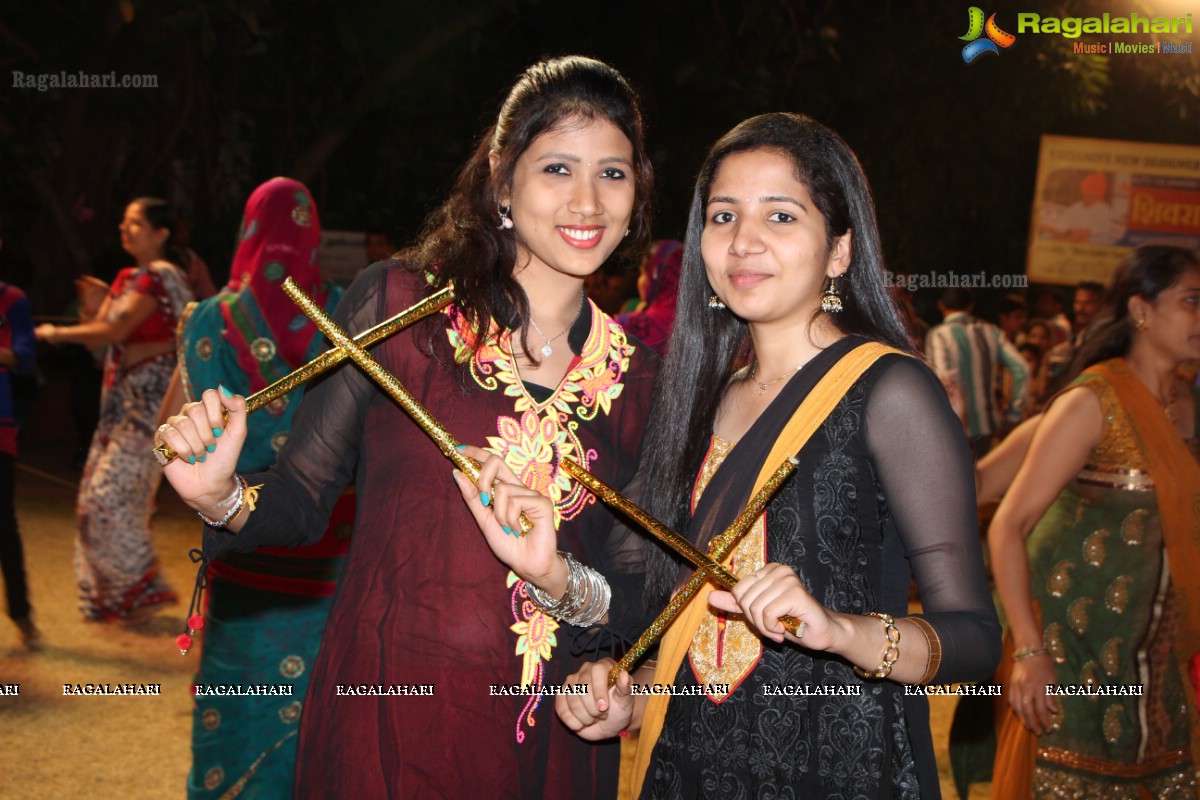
280	237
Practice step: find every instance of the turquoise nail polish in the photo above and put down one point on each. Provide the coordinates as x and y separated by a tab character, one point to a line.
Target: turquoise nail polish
483	498
224	391
191	459
212	448
218	431
202	459
461	446
506	529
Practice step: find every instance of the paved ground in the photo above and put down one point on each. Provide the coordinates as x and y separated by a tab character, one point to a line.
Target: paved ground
130	747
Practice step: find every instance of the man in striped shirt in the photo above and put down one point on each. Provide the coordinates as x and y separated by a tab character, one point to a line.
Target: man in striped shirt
970	353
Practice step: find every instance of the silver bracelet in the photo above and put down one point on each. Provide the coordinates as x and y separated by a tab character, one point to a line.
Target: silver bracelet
238	496
583	604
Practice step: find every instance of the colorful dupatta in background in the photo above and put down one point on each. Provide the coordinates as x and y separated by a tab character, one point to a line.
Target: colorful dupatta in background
658	285
266	609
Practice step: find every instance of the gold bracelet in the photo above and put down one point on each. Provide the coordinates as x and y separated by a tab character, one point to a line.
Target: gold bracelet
1029	652
891	651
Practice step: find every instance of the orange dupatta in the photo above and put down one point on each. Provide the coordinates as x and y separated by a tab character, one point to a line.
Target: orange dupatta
1176	477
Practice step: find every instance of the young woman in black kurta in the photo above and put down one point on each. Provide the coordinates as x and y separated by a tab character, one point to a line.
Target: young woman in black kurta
783	284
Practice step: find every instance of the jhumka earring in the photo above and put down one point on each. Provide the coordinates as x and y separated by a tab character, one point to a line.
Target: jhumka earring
715	302
506	222
831	301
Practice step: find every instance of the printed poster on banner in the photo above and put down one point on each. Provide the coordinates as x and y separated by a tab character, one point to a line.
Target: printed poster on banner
1097	199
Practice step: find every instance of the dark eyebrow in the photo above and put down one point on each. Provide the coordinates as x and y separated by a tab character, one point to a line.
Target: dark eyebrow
574	159
782	198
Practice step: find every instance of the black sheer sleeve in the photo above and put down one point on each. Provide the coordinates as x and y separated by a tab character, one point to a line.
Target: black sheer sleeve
626	549
317	461
919	450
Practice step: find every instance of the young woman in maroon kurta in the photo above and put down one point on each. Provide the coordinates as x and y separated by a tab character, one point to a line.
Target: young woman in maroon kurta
429	632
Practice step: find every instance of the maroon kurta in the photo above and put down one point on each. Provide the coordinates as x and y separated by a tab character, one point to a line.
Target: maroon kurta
422	600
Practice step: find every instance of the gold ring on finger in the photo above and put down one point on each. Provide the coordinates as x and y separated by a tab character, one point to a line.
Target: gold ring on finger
164	454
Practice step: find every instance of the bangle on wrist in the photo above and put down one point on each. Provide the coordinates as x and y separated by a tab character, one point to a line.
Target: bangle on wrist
935	649
1029	652
237	498
583	604
891	650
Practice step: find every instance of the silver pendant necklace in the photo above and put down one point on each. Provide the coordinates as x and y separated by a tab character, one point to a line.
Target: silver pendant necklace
547	349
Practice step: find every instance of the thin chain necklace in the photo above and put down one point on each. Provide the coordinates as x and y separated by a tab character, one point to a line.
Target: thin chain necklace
762	387
1172	394
547	350
1166	404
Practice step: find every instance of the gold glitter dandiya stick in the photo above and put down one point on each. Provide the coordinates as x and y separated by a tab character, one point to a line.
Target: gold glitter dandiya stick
718	549
391	386
670	538
331	358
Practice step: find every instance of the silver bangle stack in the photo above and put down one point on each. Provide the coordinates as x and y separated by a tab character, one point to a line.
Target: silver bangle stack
583	604
238	500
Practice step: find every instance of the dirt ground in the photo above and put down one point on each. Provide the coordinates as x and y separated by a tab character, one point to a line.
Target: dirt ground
57	746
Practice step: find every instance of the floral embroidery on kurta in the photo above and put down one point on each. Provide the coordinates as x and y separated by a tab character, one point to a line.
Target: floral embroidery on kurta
533	443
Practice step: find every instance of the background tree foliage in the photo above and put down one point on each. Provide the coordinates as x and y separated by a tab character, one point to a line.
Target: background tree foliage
374	105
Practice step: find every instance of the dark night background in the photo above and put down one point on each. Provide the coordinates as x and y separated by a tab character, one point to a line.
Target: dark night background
375	105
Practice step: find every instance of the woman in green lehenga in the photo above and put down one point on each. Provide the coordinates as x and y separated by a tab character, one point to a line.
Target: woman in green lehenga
1095	553
266	609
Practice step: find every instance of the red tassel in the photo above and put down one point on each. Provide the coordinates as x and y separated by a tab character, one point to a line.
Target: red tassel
196	622
184	643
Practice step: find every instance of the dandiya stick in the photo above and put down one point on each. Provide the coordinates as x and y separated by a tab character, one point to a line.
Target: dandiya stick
391	386
331	358
708	564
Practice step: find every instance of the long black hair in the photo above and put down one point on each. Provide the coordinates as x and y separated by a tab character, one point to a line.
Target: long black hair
161	214
1146	272
461	241
707	345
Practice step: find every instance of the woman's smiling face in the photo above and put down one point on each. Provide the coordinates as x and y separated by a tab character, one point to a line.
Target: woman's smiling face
138	237
572	197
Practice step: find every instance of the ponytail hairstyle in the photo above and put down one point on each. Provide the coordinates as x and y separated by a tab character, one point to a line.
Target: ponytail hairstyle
462	242
707	346
1146	272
